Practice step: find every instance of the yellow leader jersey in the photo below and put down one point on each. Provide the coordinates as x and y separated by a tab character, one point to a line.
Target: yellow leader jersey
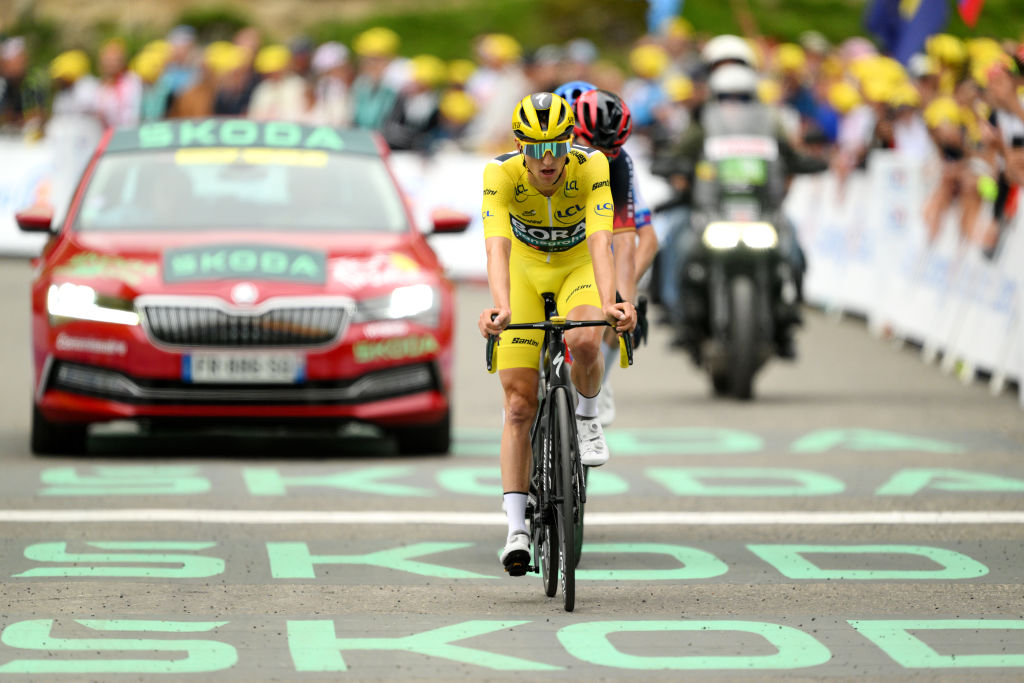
559	224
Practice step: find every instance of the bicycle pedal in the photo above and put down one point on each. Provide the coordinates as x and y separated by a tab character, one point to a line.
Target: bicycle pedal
517	568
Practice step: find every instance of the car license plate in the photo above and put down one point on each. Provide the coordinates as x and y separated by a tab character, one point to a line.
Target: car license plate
228	367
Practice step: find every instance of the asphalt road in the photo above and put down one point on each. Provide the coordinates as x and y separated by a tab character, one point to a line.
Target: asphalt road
862	519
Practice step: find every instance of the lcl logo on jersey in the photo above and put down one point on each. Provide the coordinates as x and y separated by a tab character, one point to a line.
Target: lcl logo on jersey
521	192
571	189
605	209
566	216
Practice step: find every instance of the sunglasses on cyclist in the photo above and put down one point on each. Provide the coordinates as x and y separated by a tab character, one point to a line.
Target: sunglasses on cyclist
537	150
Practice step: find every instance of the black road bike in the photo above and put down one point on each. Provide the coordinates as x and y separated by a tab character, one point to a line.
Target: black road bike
558	480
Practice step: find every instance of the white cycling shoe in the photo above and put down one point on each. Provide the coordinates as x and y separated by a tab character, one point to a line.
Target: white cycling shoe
516	555
593	450
606	405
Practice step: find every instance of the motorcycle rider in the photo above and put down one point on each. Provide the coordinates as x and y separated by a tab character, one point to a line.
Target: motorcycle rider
733	109
673	216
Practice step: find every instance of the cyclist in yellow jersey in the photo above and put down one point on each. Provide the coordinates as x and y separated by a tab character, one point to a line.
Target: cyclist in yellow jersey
547	212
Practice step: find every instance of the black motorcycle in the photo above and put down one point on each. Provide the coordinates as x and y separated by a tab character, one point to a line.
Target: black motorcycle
738	296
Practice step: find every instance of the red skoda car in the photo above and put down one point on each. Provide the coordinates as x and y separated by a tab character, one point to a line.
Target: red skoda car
224	270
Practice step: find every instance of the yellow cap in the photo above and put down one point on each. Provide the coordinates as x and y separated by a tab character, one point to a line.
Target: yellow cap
905	95
983	64
500	47
769	91
148	64
223	57
648	60
459	70
70	65
843	97
877	90
977	47
427	70
457	106
947	49
877	68
273	58
942	110
159	46
790	57
378	41
678	88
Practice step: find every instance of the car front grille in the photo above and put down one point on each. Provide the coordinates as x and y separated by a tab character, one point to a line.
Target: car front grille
211	322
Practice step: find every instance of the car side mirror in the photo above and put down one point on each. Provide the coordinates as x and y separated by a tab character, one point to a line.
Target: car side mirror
449	220
35	219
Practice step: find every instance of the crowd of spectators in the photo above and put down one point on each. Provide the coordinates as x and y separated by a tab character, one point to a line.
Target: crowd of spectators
957	101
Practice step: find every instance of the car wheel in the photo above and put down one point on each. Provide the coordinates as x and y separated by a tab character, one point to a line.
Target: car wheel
435	438
55	438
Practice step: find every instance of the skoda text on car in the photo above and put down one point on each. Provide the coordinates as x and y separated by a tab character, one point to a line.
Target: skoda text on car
224	269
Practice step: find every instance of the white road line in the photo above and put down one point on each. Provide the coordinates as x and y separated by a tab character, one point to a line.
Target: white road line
287	517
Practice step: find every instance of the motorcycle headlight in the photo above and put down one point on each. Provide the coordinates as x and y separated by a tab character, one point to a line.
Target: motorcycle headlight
417	303
81	302
729	234
722	235
760	236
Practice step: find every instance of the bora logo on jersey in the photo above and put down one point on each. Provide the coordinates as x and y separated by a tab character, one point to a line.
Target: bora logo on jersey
549	239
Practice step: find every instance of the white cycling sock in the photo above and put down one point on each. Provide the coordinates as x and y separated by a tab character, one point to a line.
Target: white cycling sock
515	511
586	407
611	358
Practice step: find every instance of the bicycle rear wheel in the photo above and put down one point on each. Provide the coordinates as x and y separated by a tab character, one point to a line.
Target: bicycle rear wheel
581	477
565	498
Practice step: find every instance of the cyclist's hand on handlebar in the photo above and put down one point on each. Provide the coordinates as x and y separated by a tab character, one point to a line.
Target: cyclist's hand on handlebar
622	316
493	321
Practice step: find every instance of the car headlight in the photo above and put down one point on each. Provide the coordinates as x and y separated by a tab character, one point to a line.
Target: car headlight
417	303
729	234
81	302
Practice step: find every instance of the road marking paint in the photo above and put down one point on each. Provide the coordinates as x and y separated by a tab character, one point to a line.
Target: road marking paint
785	517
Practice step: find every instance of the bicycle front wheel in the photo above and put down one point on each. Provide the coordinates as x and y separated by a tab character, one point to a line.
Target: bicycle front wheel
543	526
566	503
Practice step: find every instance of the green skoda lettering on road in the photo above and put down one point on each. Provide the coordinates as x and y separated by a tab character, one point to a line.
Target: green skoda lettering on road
219	262
201	656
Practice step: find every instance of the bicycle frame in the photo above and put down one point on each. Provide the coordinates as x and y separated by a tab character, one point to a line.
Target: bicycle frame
560	485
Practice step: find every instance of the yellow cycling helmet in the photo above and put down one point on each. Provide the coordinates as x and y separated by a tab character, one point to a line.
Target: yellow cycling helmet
543	117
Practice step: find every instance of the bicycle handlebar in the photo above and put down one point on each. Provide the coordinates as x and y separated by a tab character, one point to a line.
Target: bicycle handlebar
625	340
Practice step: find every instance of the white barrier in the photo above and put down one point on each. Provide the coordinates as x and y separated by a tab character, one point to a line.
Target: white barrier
25	170
868	254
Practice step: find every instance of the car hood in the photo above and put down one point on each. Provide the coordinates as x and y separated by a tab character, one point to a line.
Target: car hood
268	264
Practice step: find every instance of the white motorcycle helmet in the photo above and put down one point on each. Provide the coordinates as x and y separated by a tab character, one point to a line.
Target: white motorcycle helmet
733	81
727	48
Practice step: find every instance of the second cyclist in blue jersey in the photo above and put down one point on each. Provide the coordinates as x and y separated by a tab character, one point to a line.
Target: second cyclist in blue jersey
547	213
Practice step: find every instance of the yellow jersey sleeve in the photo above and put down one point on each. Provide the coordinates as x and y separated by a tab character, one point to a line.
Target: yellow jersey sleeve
498	193
600	208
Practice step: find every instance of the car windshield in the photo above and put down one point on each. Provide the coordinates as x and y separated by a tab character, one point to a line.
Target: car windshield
252	189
